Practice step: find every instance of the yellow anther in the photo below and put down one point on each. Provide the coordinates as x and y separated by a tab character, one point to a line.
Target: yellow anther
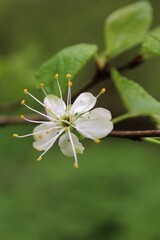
36	148
15	135
22	116
25	91
68	75
103	90
56	76
42	85
70	84
22	102
39	158
76	165
97	140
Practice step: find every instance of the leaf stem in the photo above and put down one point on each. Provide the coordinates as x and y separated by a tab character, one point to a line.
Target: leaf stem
151	140
122	117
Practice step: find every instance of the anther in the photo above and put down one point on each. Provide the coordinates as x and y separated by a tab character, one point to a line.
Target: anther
76	165
22	116
25	91
56	76
68	75
22	102
15	135
97	141
39	158
70	84
42	85
37	149
103	90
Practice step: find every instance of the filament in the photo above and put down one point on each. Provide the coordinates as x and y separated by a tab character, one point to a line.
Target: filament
35	133
73	148
42	87
26	92
37	111
33	121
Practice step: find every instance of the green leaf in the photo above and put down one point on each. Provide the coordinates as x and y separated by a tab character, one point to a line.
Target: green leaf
134	97
151	44
69	60
156	119
127	27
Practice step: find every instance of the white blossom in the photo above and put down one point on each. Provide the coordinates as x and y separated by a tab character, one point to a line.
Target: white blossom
64	121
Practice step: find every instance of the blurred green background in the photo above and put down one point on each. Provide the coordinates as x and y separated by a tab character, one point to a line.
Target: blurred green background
115	194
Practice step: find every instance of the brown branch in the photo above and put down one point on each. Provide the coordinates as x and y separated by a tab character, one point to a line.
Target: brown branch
11	120
9	107
100	75
133	135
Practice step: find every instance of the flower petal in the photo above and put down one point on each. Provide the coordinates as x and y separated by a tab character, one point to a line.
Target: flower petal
95	124
48	133
83	103
66	147
55	104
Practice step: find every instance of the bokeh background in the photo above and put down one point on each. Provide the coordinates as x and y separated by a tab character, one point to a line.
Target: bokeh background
115	194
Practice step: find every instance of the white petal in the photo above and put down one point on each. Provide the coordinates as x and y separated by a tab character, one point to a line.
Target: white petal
95	124
44	137
83	103
65	145
55	104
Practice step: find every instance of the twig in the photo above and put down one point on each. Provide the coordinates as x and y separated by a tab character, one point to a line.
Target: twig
134	135
11	120
105	73
100	76
9	107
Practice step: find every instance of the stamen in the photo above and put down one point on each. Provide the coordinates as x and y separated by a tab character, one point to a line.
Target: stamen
32	121
68	76
35	133
73	148
56	75
103	90
50	141
97	140
42	87
76	165
58	84
23	103
26	92
70	83
15	135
